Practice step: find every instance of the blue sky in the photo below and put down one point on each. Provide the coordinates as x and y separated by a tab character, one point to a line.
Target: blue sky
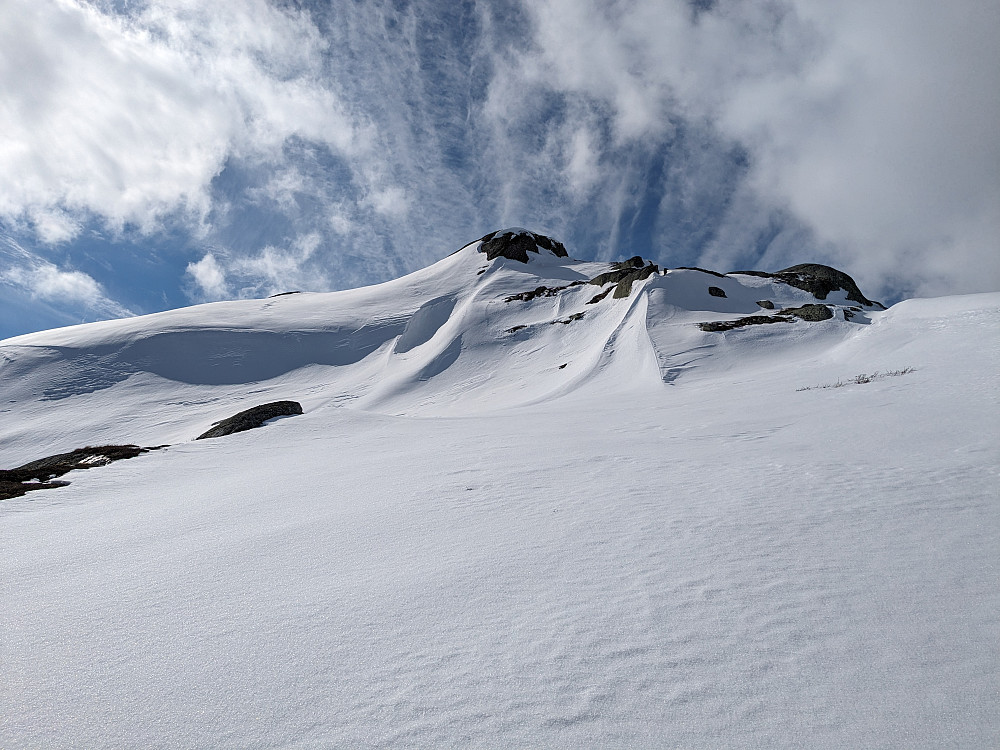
158	154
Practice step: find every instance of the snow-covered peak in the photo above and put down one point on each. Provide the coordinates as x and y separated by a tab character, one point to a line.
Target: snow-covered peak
467	334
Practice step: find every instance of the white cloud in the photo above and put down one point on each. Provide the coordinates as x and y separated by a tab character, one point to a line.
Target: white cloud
68	289
54	226
338	220
282	188
887	144
271	270
210	278
390	201
872	122
48	282
276	269
129	118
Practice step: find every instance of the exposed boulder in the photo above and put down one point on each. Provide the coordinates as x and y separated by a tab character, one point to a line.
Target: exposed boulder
623	270
570	319
541	291
37	475
515	244
635	261
812	313
624	274
716	291
249	419
751	320
624	287
10	489
818	280
600	295
766	304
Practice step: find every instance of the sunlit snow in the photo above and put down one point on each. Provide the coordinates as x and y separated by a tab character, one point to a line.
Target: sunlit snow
503	524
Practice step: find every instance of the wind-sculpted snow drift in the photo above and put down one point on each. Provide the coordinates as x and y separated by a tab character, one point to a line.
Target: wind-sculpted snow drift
529	501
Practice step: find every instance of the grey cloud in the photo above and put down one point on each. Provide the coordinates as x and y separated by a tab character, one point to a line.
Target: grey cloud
869	124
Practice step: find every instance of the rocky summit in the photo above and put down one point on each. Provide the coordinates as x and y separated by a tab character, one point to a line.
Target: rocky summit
516	243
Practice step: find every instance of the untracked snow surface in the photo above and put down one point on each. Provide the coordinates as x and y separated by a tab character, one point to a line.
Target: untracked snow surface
503	524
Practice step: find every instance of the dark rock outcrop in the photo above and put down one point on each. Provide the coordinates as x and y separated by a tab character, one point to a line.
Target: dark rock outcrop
635	261
766	304
818	280
541	291
625	270
624	274
812	313
716	291
570	319
515	244
249	419
624	287
37	475
600	295
750	320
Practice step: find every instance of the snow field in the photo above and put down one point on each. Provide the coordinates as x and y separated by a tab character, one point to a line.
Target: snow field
663	544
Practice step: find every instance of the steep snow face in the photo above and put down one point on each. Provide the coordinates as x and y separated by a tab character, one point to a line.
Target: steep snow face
509	516
465	335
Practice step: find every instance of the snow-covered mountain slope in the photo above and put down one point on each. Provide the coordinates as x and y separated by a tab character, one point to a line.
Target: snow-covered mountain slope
466	335
511	516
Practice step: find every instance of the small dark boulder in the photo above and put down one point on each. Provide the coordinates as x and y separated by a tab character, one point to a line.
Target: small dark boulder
570	319
766	304
716	291
249	419
812	313
515	244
